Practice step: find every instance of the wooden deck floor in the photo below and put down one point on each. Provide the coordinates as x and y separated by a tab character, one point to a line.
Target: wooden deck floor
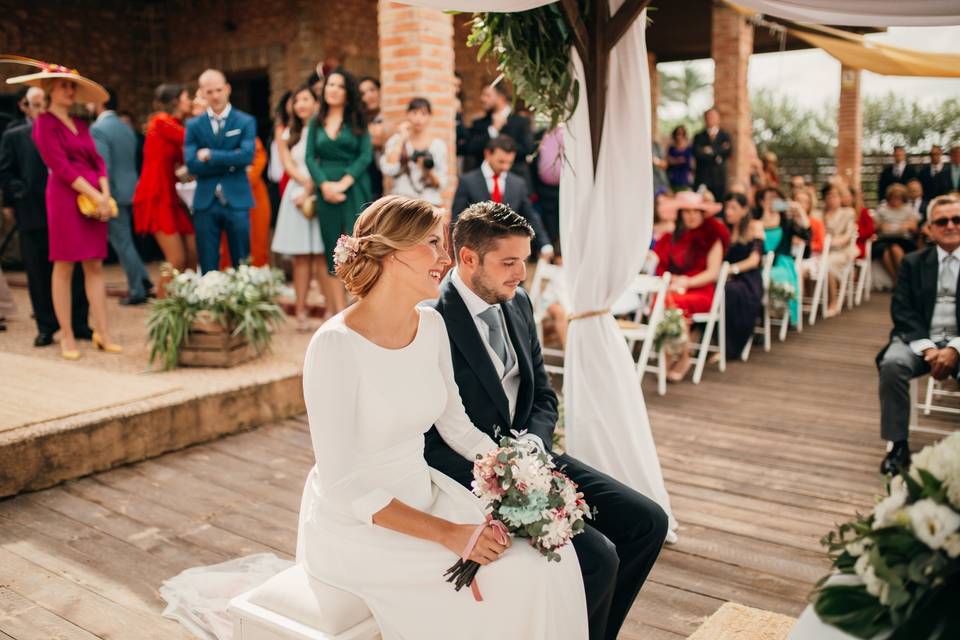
759	461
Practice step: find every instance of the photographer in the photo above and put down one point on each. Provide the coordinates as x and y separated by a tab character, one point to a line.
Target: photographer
414	158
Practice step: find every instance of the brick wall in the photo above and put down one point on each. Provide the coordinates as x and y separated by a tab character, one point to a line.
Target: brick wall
850	127
475	74
731	46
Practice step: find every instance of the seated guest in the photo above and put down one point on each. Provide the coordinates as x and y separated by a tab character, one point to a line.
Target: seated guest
493	181
744	290
866	230
897	224
916	198
897	173
925	326
664	218
771	169
782	225
692	254
415	159
841	224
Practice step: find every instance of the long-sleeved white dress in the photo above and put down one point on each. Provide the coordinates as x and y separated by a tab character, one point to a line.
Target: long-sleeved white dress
368	409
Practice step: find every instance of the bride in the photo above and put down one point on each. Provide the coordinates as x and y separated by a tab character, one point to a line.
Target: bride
377	521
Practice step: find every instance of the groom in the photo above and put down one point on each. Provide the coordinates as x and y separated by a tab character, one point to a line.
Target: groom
498	367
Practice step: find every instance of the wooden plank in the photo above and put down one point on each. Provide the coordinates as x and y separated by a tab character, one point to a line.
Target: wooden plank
82	607
25	619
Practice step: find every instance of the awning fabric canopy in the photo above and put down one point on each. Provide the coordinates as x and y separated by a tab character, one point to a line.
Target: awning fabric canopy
862	13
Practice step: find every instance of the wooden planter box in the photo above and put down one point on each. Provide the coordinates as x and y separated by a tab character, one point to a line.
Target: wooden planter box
210	344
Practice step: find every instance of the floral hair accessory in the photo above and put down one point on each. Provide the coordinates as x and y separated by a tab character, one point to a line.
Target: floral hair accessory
346	250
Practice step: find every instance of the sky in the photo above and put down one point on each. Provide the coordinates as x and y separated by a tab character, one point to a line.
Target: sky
812	77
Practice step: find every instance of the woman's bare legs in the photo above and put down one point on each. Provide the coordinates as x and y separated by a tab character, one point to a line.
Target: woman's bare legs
61	290
96	289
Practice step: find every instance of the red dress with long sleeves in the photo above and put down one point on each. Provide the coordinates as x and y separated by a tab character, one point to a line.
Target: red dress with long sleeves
687	256
865	230
156	206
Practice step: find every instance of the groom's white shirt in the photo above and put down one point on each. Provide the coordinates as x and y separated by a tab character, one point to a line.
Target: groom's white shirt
509	377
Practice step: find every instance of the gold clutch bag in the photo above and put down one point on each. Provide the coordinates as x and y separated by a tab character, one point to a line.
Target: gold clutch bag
308	207
89	209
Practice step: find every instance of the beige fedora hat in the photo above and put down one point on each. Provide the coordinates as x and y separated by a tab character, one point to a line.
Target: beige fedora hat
87	89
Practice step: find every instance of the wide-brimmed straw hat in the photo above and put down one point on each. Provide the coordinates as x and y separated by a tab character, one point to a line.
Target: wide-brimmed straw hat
87	89
689	200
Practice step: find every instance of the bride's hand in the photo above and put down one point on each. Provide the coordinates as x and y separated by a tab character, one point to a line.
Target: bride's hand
485	551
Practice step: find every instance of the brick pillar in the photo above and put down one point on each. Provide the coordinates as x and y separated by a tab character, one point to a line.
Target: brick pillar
654	94
730	46
416	60
849	154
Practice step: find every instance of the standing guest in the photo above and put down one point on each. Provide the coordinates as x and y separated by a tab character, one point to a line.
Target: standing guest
337	155
797	184
23	181
157	208
282	116
260	213
782	225
298	230
23	104
75	168
127	118
929	173
897	173
926	318
117	145
370	95
494	181
414	158
693	254
547	182
897	225
500	120
461	130
711	149
680	159
949	179
841	224
744	290
218	147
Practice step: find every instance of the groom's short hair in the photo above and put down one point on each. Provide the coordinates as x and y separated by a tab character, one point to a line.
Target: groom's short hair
480	225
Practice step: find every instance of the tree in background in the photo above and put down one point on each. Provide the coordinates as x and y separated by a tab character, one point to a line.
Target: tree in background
678	93
783	126
895	120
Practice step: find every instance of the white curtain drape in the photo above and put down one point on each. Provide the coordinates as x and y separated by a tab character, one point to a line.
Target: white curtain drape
861	13
606	224
479	5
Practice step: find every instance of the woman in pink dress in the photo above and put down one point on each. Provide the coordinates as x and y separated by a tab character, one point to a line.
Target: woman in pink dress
75	168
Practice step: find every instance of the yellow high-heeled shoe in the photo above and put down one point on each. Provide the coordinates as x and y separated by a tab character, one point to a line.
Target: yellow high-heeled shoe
104	346
69	354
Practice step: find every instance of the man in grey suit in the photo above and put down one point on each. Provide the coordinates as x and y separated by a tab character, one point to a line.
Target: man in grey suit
117	143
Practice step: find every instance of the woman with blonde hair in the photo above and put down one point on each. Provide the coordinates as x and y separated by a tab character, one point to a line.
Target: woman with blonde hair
376	520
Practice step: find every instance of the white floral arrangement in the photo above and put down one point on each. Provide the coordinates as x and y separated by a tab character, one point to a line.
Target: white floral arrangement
780	295
904	555
672	332
243	300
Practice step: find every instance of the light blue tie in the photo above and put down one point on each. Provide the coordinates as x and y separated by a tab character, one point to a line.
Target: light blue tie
497	340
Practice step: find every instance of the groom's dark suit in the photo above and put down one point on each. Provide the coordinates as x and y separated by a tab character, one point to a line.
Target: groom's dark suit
619	547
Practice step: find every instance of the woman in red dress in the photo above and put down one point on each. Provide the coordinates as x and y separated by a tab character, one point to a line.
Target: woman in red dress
157	209
692	254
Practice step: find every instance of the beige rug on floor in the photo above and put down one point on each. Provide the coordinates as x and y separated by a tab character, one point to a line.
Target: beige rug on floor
35	390
734	621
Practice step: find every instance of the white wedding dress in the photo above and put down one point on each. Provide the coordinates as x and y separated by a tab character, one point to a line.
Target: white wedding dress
368	409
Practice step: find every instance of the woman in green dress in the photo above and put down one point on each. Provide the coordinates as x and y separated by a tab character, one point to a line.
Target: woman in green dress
338	155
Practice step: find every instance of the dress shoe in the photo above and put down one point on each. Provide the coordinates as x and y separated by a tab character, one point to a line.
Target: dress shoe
150	288
131	301
102	345
897	457
69	354
43	340
83	334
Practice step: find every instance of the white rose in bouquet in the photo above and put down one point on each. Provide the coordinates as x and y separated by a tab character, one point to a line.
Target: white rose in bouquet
933	523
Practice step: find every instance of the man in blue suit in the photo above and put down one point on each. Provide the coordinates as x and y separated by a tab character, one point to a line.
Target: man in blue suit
117	144
218	147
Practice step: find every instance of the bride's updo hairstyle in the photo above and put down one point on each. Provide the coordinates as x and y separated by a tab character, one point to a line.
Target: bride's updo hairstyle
392	223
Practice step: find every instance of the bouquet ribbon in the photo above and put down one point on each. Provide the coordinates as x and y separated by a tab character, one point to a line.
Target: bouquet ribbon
500	532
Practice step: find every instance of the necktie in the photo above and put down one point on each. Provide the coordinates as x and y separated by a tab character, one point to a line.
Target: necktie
497	341
497	195
217	124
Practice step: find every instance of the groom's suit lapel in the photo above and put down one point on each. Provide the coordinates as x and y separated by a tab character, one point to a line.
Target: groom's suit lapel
462	330
520	346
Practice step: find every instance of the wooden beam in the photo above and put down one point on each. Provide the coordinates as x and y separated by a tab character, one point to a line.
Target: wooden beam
581	39
596	71
629	11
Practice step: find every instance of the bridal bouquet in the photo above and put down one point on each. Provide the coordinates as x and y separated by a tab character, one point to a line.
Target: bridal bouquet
903	558
780	295
528	497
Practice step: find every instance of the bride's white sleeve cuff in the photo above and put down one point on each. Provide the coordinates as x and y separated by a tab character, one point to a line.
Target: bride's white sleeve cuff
367	505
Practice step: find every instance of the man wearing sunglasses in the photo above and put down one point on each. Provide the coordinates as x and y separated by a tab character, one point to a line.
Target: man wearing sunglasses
926	326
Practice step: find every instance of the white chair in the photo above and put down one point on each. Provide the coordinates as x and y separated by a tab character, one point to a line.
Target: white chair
546	274
766	321
819	300
294	606
646	286
713	319
864	275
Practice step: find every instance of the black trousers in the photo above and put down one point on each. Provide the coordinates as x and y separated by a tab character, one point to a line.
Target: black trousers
618	548
35	250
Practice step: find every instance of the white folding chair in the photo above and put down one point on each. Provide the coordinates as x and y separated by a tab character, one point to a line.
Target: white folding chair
864	274
647	286
784	321
845	291
935	389
765	321
545	274
713	319
818	301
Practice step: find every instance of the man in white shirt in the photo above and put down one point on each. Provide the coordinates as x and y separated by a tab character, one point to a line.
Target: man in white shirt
926	326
